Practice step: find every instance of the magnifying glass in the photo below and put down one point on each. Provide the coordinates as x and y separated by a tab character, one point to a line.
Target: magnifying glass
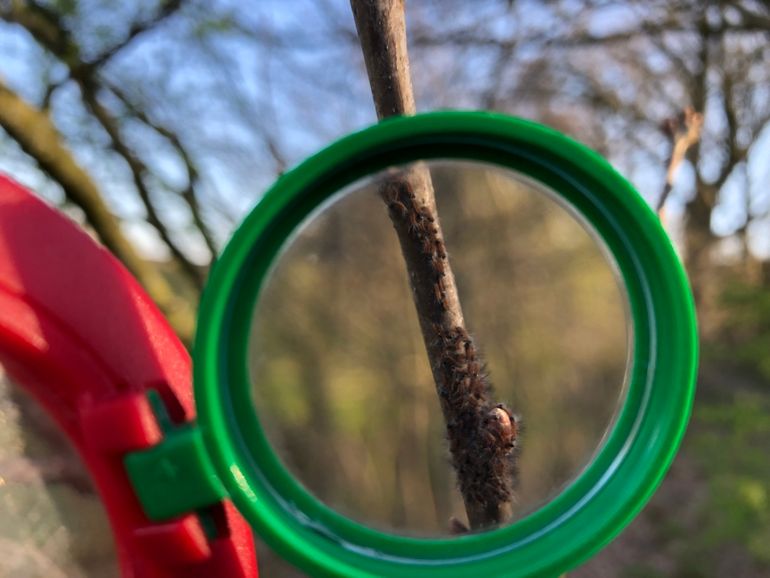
308	357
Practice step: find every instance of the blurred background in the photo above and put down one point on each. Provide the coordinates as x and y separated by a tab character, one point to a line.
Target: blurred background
157	125
341	378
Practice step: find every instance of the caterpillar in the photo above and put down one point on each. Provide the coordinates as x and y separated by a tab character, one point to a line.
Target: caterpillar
421	226
483	437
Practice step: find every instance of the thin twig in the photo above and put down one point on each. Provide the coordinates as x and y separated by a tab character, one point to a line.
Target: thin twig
190	192
139	172
166	9
482	434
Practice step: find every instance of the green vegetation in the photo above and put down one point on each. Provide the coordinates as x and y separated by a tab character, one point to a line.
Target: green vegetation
731	442
746	327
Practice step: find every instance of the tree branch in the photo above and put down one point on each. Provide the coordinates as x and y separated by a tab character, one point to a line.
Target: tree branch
169	8
38	137
684	132
138	173
46	27
189	194
735	153
482	435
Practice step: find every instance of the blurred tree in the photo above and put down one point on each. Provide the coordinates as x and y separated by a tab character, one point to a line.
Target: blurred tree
172	106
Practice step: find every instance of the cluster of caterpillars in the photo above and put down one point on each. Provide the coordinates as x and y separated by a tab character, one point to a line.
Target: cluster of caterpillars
483	438
421	226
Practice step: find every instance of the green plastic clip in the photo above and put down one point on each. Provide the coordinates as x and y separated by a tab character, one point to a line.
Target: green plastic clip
176	476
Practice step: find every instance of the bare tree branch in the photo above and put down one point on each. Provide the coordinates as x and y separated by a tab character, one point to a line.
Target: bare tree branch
752	20
189	193
684	132
46	26
489	97
167	9
482	435
139	172
38	137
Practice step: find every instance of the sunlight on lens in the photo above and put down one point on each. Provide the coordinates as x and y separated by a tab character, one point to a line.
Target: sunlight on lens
341	378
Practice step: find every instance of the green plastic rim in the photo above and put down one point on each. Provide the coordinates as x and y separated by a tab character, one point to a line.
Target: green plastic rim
609	492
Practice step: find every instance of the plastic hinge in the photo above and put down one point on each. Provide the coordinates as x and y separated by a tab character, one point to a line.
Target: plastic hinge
176	476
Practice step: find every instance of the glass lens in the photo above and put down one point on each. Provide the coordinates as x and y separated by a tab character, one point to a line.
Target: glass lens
341	378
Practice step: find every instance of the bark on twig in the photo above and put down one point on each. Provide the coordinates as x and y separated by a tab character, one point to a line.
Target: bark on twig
482	434
684	132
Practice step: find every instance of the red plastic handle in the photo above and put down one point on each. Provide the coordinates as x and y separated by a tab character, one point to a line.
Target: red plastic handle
81	335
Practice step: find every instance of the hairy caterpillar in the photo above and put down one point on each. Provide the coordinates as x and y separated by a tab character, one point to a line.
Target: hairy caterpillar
401	201
483	437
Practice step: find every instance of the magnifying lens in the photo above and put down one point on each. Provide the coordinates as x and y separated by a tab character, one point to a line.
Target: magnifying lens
315	397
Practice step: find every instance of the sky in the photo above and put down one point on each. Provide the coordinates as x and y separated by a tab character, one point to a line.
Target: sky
223	92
